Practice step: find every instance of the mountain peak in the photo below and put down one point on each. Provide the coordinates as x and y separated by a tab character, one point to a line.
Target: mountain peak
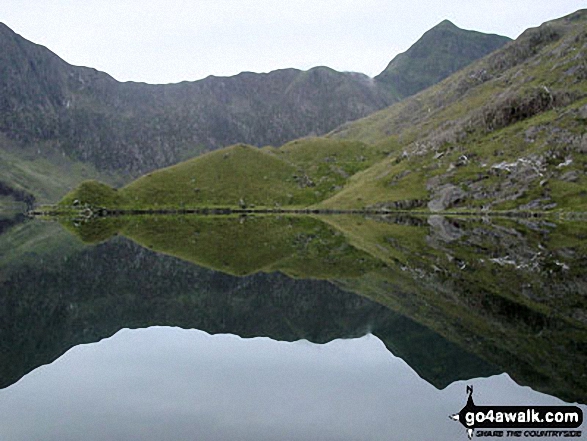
440	52
5	30
445	24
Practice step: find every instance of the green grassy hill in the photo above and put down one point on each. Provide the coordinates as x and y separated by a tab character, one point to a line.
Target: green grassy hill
300	174
508	132
234	176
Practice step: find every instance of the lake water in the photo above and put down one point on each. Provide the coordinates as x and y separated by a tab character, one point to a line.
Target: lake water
285	328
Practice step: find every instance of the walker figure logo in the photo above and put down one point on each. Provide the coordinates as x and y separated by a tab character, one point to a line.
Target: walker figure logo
475	417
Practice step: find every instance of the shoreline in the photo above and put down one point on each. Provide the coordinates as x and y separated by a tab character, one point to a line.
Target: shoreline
104	212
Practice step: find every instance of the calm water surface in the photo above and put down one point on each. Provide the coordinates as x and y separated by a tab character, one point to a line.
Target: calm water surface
284	328
169	383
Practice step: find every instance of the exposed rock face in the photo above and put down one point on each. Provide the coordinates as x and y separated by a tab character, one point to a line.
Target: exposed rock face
445	197
137	127
505	133
440	52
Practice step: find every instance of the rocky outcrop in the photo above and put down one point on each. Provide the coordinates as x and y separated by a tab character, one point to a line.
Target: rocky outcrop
445	197
136	127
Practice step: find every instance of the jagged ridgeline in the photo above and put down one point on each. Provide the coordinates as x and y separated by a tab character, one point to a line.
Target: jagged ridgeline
441	51
513	292
91	292
61	124
505	133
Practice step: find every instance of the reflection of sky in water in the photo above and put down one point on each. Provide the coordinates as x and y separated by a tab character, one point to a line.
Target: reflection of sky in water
173	384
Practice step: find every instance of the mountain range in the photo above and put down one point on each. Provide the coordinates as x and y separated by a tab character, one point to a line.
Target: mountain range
467	297
506	133
461	121
61	124
92	292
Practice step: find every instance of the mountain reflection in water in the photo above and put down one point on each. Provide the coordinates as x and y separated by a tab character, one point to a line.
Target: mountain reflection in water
456	299
169	383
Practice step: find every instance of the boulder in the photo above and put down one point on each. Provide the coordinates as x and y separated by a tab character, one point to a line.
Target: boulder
445	197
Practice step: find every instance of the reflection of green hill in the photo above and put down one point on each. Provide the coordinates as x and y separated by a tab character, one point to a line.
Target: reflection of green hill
296	245
512	292
509	291
47	309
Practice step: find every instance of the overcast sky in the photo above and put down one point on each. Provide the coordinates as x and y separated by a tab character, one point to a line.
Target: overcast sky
164	41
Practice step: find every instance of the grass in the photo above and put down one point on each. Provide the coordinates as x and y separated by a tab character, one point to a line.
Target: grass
94	192
234	176
520	103
570	196
376	186
302	247
298	175
42	171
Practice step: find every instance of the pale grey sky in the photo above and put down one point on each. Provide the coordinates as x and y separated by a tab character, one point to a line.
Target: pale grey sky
163	41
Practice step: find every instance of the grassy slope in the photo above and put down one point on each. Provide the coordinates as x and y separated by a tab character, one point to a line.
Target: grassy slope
505	133
524	101
220	178
376	184
298	246
298	175
43	172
